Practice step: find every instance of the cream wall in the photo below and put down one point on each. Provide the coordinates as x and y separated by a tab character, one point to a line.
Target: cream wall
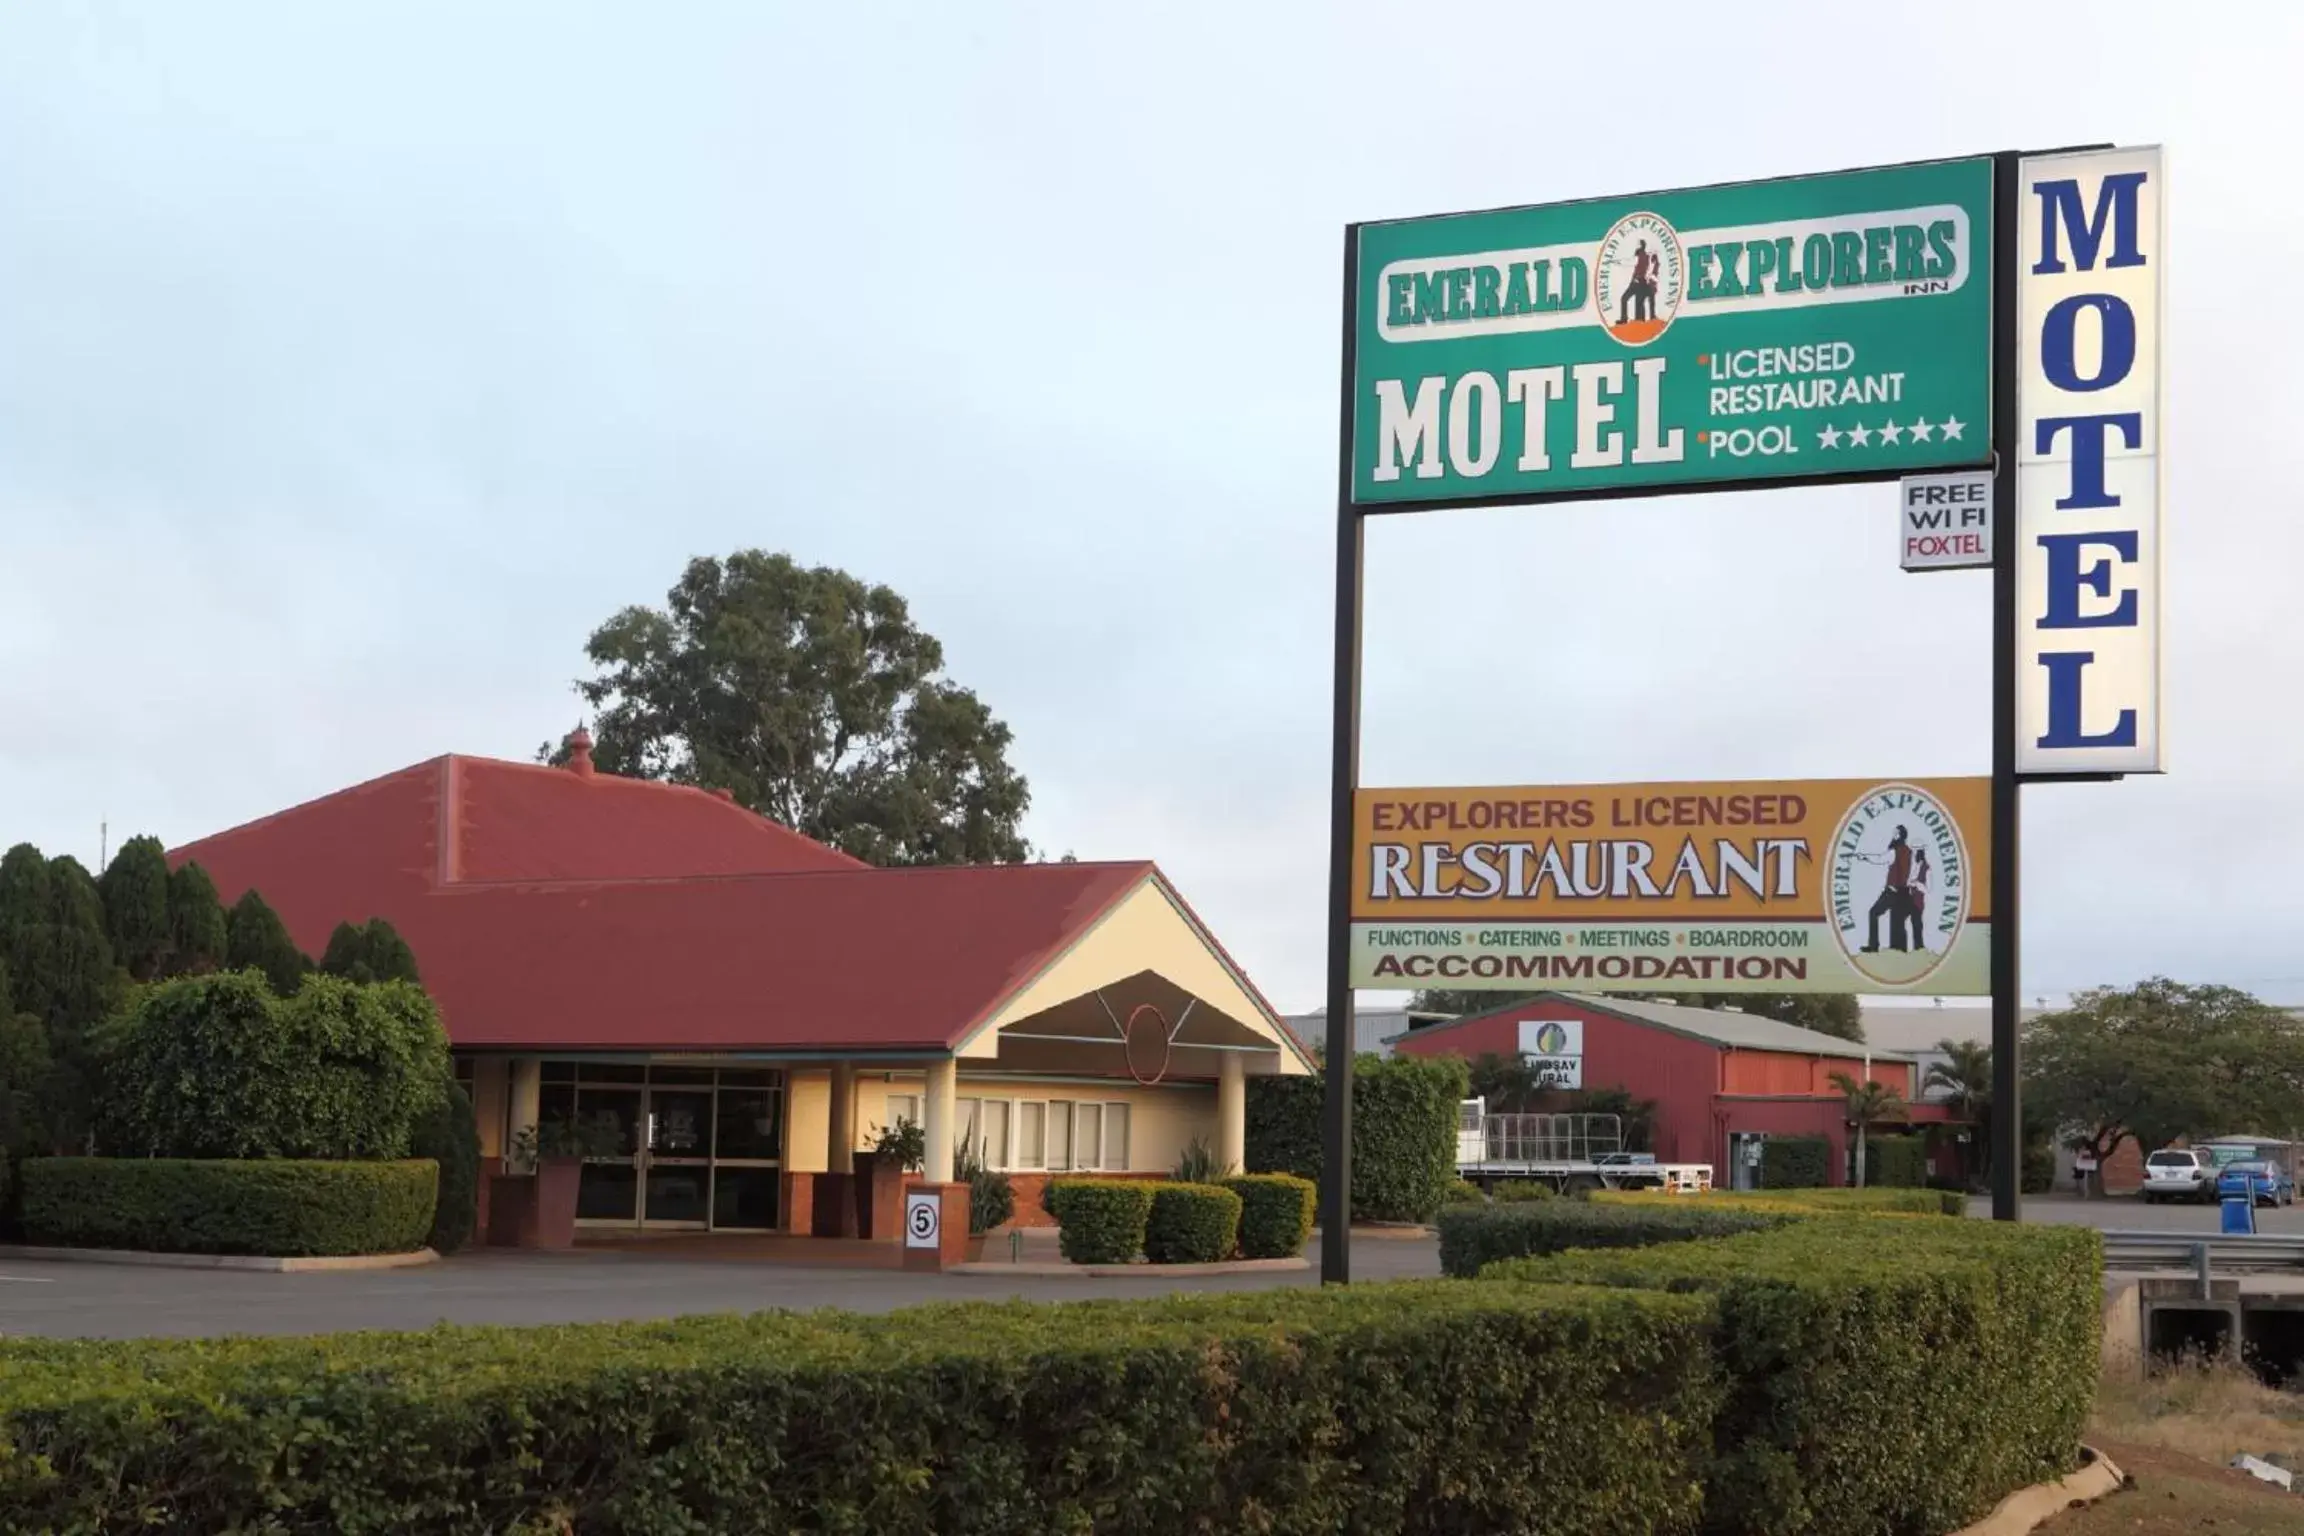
490	1081
807	1120
1146	932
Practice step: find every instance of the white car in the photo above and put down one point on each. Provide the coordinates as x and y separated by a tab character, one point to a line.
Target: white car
2174	1173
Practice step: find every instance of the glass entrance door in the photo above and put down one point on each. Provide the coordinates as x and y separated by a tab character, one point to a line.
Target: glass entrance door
677	1187
608	1185
674	1147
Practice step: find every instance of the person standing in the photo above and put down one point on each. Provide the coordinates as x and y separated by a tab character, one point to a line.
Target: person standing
1637	293
1895	899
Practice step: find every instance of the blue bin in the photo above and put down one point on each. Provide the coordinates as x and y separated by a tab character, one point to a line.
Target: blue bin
2240	1214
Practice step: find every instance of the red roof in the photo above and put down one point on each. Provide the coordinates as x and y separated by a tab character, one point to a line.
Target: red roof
586	911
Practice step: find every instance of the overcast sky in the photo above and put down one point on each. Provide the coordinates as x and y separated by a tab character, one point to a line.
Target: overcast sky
357	359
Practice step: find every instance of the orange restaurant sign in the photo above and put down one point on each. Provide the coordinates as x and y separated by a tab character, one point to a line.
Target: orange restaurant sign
1822	885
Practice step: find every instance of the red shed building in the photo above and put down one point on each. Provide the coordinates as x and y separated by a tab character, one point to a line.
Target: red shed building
1722	1082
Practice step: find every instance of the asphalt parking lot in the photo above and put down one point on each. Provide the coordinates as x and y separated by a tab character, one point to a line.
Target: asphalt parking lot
2129	1213
54	1300
73	1300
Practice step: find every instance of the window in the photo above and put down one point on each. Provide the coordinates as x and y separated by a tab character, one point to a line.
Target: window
900	1106
992	1140
1088	1135
1059	1137
1115	1138
1031	1135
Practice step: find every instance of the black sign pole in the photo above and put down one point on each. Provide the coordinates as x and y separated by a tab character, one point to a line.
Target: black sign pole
2007	823
1344	769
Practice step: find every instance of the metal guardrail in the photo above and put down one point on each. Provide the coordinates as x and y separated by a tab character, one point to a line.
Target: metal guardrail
2188	1251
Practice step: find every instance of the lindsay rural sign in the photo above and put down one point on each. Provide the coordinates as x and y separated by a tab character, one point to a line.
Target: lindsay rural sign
1818	326
1808	886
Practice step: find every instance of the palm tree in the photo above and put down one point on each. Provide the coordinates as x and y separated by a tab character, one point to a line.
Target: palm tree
1868	1101
1965	1075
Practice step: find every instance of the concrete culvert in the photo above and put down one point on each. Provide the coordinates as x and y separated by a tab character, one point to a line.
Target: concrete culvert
2272	1342
2188	1333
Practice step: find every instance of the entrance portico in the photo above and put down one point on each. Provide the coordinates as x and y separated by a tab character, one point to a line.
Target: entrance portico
1122	1051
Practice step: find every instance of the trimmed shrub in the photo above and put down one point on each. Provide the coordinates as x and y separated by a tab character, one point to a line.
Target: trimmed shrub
1191	1224
1896	1162
450	1136
217	1067
1381	1408
1275	1214
1523	1192
1463	1192
1795	1162
1473	1237
134	888
369	952
198	935
1896	1383
279	1207
256	939
1404	1111
1876	1202
1100	1221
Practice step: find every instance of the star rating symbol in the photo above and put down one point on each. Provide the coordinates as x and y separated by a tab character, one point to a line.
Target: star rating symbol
1921	430
1828	438
1952	426
1891	433
1859	436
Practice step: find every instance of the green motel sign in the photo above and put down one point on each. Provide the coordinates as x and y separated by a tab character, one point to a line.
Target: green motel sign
1777	330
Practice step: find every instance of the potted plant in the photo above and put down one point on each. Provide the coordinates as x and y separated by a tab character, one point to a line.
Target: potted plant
535	1206
991	1199
897	1150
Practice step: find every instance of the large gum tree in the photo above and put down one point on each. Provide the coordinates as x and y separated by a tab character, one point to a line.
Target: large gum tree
811	697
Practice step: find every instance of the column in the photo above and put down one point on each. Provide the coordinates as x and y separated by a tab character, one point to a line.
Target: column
1232	1113
940	1112
840	1123
527	1095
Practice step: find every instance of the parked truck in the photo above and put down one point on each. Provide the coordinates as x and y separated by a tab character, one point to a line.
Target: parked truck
1572	1153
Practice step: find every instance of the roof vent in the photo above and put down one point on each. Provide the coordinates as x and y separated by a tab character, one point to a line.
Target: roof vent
580	752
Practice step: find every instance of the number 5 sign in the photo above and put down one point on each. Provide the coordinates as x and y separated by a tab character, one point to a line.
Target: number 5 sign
923	1218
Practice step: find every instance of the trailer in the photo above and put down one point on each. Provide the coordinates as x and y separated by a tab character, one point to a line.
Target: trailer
1572	1153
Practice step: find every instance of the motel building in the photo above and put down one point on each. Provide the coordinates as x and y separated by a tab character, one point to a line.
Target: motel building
1722	1082
748	1007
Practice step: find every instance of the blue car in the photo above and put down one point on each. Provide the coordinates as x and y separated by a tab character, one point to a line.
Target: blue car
2268	1182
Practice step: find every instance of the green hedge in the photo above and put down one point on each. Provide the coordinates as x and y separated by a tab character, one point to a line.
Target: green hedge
1192	1224
1896	1202
1897	1376
1795	1162
450	1136
1378	1409
1473	1237
1404	1112
283	1208
1896	1162
1100	1221
1275	1214
216	1067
